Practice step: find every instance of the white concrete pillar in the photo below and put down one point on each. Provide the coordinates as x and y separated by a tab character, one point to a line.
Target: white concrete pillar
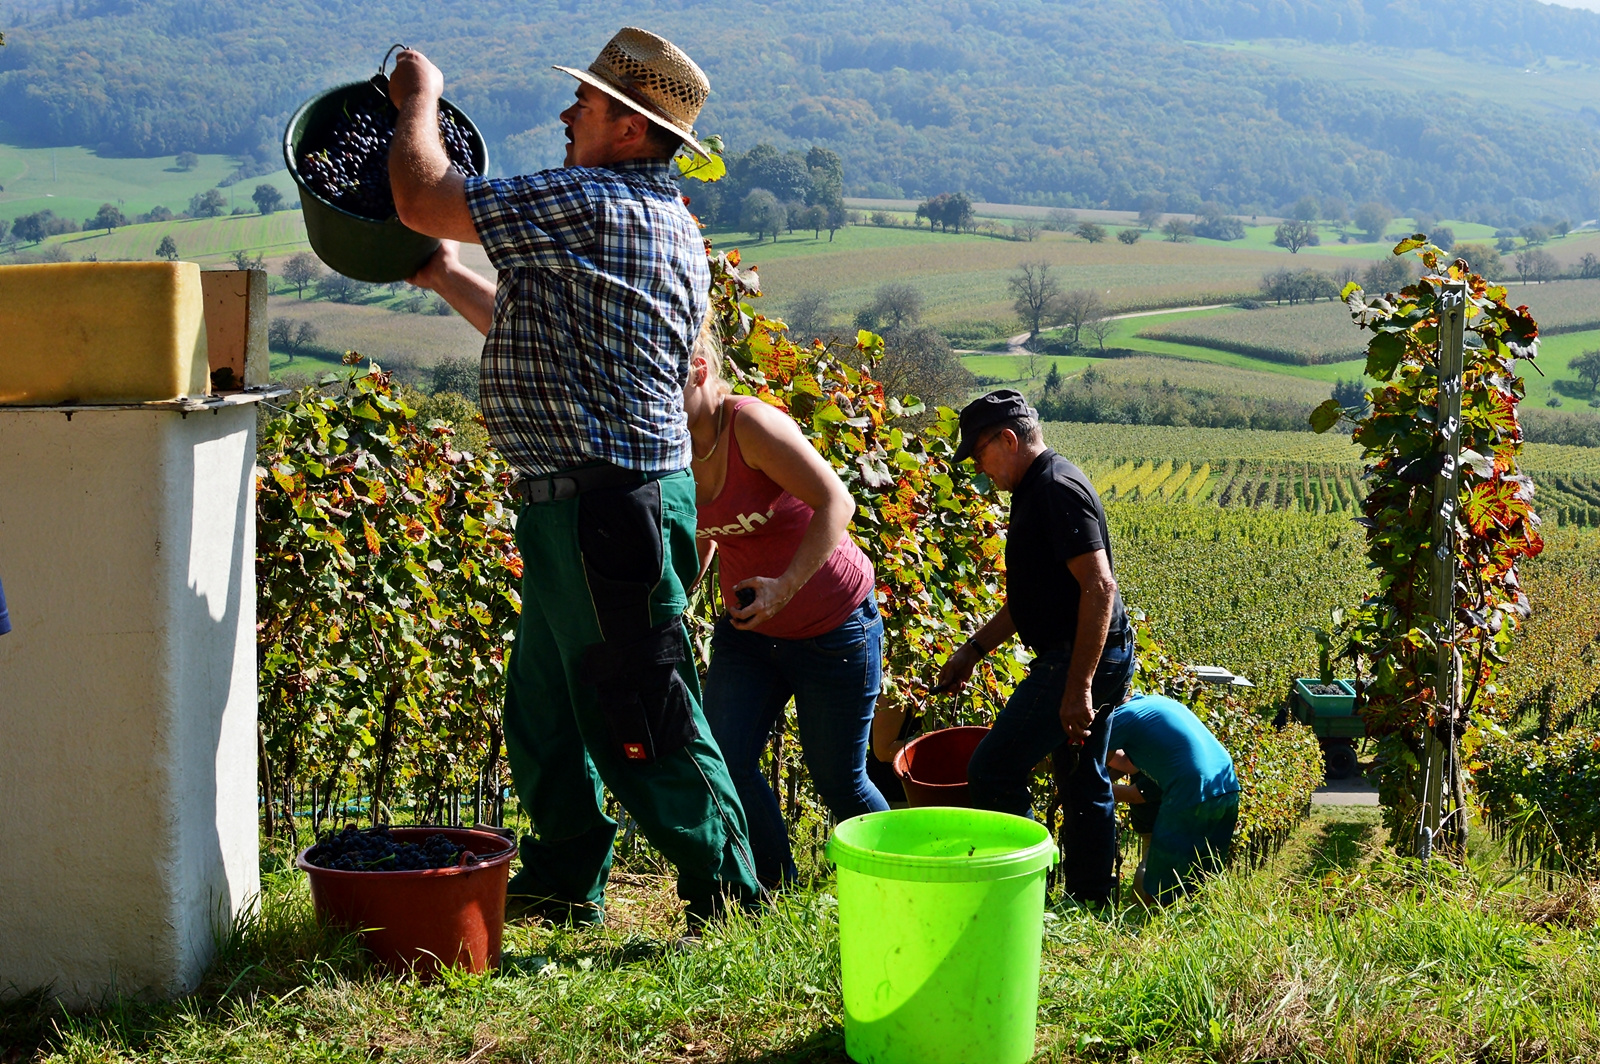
127	694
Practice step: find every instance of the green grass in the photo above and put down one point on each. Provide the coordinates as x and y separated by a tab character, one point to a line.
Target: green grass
205	240
74	182
1329	951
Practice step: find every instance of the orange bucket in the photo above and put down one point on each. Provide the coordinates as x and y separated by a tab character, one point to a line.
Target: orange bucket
933	767
425	919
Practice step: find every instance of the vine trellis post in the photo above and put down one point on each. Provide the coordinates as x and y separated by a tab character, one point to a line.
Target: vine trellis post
1441	796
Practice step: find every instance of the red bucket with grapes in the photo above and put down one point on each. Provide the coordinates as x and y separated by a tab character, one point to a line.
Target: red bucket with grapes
422	898
337	149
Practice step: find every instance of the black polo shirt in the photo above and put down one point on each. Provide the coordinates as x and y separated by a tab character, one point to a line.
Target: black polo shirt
1055	517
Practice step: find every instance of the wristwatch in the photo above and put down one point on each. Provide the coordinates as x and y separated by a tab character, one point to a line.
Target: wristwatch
972	641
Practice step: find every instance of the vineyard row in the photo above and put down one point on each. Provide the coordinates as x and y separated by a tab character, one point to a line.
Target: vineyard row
1305	487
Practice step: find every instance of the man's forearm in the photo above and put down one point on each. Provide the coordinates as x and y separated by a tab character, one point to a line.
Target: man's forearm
997	631
1094	620
472	296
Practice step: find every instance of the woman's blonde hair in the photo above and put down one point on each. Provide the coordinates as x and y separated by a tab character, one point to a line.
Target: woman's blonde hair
709	347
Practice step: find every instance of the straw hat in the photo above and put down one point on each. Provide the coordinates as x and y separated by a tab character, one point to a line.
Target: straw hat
654	77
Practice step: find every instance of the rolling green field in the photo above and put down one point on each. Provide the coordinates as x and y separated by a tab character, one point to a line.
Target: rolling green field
204	240
1309	334
74	182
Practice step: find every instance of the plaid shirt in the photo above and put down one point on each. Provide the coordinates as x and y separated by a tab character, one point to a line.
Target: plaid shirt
603	286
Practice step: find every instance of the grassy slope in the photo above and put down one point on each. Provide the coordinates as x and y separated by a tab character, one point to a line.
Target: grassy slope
82	180
1328	951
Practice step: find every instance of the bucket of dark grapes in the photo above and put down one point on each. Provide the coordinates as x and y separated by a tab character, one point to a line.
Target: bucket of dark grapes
421	898
337	151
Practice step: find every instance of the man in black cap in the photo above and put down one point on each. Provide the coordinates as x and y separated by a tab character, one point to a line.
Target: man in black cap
1062	602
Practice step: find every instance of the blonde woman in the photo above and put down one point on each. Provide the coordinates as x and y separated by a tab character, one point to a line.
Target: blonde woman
802	619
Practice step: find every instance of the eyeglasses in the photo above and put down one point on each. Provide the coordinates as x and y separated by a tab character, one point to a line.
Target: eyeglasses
977	450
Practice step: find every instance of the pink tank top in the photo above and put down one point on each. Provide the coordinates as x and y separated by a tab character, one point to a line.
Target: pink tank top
757	527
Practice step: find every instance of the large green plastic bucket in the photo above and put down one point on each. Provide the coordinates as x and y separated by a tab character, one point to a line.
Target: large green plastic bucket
368	250
941	913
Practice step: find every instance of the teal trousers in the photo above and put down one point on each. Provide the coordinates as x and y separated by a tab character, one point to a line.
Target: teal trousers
604	587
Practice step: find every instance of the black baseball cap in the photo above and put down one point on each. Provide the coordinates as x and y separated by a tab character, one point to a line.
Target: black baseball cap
999	405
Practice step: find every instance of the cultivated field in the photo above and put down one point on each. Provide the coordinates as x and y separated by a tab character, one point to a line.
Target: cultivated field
74	182
1302	335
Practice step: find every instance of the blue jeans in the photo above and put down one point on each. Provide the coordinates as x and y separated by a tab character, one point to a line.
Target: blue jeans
1027	730
834	680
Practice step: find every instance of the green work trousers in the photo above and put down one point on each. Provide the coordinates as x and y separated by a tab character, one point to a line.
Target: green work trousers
604	587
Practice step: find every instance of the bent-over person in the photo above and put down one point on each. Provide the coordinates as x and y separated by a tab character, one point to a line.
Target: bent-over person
1190	811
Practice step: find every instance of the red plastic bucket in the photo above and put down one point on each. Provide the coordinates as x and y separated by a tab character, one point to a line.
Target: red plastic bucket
426	919
933	767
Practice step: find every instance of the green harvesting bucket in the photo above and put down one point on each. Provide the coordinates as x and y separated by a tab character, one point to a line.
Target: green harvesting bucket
941	912
367	250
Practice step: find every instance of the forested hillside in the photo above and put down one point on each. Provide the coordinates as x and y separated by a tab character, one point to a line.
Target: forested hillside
1094	103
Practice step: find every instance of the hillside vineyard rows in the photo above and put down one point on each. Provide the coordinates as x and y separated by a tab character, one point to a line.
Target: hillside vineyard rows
1241	468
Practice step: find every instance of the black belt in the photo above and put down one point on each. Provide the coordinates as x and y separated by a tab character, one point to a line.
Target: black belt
570	483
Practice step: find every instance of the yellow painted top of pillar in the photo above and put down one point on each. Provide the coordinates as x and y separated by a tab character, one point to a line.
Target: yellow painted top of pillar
101	332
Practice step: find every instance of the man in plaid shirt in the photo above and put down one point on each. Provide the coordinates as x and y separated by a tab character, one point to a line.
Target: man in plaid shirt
603	285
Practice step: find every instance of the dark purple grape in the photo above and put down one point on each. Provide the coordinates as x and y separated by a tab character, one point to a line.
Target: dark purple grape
347	164
376	850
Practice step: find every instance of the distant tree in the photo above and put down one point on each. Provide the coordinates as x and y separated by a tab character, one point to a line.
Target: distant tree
341	289
1388	274
167	249
1060	220
1562	227
1589	265
1482	258
1534	234
301	269
1215	223
1352	395
1587	366
305	334
1372	218
1091	232
1149	218
1335	210
894	306
1077	308
1098	329
108	217
1443	237
1295	235
1305	286
881	218
1307	209
207	204
919	361
32	227
761	213
157	213
458	375
243	260
950	211
280	333
1027	229
1036	293
267	198
1052	381
809	314
813	218
1129	236
187	160
827	179
1536	265
836	220
1178	230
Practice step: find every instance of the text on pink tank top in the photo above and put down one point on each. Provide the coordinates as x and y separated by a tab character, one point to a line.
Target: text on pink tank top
757	527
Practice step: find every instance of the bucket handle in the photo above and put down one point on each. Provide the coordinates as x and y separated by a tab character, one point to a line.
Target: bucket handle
380	80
